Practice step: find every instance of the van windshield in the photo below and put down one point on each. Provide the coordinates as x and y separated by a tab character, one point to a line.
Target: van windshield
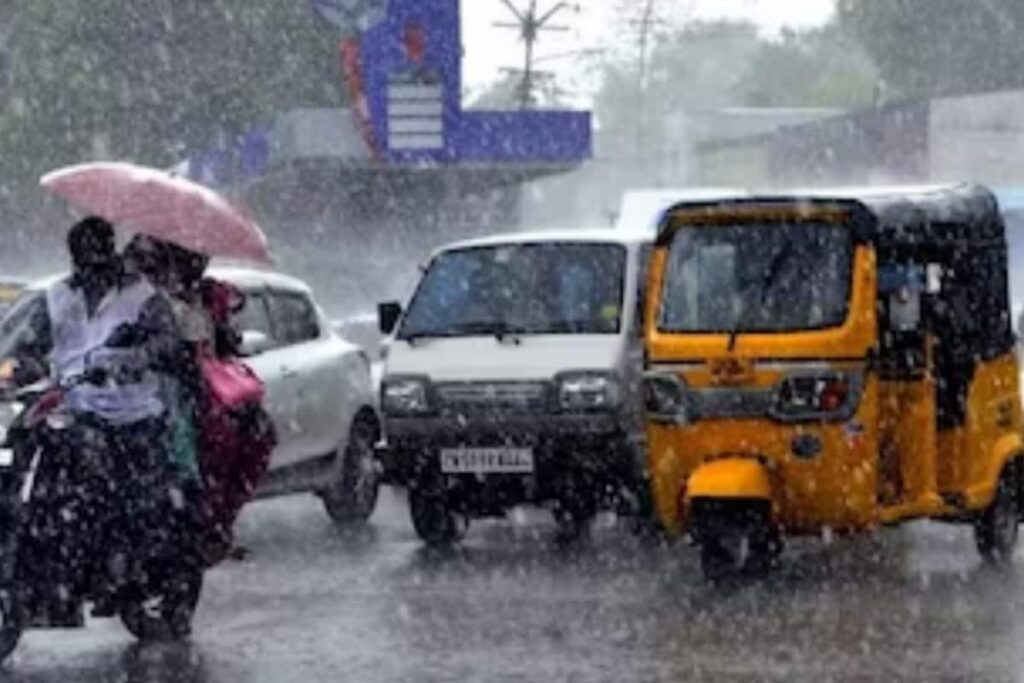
542	288
757	278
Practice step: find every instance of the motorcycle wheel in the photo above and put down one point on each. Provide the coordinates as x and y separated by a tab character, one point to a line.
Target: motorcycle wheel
11	622
167	616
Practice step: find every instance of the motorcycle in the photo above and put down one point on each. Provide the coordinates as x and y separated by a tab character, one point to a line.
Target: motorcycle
68	508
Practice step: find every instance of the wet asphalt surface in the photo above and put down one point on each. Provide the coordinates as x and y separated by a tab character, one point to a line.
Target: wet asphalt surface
314	604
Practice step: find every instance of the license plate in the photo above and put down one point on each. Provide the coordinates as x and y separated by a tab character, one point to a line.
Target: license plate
487	460
6	457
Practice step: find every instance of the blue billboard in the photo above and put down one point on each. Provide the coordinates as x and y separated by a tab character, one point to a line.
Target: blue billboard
402	64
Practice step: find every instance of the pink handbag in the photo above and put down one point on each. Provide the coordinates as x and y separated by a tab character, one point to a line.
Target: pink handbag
230	383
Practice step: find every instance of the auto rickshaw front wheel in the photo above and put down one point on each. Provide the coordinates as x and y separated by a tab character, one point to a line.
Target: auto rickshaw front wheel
997	529
736	538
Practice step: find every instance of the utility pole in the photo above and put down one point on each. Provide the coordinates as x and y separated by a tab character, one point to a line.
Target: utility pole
645	26
529	23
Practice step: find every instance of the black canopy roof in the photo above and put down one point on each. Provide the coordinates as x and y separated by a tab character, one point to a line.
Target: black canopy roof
940	215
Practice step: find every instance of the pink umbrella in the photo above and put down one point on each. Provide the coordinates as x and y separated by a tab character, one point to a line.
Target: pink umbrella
161	205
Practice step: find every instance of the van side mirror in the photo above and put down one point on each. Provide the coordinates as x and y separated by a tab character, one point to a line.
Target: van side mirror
253	343
388	315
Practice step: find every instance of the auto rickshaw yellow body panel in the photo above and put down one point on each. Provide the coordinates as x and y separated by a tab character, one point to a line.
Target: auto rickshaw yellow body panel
934	412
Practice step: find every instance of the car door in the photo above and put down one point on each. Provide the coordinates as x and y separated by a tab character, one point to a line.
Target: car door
266	363
308	363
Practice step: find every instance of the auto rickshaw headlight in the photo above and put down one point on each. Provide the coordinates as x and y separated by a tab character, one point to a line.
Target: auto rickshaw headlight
665	397
588	391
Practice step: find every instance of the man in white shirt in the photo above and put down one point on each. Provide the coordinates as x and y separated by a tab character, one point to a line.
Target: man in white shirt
108	336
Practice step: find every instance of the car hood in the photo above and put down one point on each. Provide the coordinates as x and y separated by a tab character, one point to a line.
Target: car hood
485	358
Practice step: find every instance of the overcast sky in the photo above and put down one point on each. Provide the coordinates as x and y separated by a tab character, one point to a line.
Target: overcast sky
488	48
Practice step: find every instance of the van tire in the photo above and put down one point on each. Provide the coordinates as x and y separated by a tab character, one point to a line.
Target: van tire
997	529
433	518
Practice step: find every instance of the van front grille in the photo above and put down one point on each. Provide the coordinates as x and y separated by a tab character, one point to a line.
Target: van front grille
519	397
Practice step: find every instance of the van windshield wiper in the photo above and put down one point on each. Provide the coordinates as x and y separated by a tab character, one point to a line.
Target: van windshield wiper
499	329
770	275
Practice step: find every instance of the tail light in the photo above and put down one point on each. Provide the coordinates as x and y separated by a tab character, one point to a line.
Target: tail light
818	396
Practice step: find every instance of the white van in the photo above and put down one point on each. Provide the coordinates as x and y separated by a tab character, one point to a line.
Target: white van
513	377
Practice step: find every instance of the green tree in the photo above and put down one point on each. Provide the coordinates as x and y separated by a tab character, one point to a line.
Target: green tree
150	79
817	68
940	47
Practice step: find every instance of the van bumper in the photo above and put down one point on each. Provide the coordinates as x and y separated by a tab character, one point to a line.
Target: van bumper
600	447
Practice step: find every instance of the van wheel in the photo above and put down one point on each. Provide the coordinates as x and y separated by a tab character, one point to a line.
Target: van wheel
575	506
997	529
436	523
573	523
352	497
736	541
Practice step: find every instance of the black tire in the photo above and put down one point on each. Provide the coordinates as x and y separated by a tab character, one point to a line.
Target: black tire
11	622
434	520
576	506
997	530
164	617
352	498
573	522
736	541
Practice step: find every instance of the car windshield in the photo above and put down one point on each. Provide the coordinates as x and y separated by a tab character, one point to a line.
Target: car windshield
549	288
757	278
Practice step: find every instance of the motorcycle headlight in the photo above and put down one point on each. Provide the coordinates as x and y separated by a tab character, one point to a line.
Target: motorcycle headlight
588	391
405	396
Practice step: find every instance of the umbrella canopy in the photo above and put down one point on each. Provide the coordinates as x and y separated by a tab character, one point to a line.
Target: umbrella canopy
165	206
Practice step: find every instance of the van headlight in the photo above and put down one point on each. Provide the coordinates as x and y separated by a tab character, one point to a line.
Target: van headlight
588	391
405	396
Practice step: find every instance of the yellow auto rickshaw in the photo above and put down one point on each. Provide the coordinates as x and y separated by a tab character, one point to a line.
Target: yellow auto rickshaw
830	362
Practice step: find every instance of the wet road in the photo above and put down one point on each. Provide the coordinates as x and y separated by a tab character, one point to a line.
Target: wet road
312	604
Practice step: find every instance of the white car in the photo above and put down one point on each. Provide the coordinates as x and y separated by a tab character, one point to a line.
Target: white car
319	390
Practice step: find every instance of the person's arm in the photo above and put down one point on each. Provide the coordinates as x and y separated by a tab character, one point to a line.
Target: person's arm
160	341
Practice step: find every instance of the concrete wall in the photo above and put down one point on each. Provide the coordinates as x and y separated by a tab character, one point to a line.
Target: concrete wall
980	137
975	137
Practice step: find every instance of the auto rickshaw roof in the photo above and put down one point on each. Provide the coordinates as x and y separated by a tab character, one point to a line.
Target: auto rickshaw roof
961	213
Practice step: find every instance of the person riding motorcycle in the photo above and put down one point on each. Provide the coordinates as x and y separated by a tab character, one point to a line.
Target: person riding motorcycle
108	336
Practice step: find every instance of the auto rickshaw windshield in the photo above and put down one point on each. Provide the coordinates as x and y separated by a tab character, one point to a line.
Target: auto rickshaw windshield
761	277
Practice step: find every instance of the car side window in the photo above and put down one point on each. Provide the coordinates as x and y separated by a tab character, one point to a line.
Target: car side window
254	316
295	319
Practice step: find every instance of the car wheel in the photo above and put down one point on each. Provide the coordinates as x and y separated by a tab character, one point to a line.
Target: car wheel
997	530
352	497
436	523
167	616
